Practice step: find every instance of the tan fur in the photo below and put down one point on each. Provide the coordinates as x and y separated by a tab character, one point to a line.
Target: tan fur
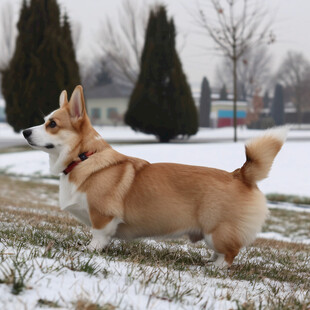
165	198
260	154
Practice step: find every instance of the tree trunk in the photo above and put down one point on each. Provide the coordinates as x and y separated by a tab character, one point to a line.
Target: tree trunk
235	97
164	139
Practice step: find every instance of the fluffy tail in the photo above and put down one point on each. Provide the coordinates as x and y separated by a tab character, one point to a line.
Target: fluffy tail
260	153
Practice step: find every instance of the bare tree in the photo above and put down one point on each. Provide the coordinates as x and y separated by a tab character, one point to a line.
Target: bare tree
237	27
294	73
122	41
253	72
76	32
7	34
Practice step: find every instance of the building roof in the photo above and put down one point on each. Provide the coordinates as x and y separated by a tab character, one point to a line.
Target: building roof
111	90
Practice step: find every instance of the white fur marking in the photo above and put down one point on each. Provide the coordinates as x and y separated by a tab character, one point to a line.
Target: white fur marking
220	261
102	237
46	118
209	241
213	257
98	137
278	133
73	201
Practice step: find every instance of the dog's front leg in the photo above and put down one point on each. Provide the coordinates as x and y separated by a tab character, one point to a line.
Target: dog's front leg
103	229
102	237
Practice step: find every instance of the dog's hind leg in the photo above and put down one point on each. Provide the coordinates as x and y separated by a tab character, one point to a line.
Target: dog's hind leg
210	245
225	244
213	258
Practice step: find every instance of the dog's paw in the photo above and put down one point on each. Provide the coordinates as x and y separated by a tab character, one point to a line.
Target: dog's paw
213	258
221	263
96	246
218	261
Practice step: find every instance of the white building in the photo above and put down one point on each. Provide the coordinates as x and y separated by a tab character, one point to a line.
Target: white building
106	105
2	110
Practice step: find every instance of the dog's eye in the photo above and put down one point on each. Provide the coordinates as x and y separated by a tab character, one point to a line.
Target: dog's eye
52	124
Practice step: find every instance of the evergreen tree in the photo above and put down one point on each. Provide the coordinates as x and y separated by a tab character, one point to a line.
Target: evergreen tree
69	59
205	103
277	110
161	102
223	93
42	66
266	99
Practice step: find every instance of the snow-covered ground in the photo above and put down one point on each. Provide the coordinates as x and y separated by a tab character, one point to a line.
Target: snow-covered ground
289	174
60	278
125	134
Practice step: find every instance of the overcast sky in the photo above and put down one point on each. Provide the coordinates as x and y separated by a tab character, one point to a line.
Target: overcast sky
291	27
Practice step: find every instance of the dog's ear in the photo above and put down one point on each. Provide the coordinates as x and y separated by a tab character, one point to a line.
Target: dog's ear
76	103
63	98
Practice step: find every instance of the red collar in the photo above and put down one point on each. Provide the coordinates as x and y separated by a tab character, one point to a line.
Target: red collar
82	156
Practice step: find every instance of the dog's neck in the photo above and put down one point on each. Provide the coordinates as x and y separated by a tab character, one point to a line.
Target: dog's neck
58	162
93	143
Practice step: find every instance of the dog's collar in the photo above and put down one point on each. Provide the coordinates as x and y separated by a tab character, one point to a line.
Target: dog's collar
82	156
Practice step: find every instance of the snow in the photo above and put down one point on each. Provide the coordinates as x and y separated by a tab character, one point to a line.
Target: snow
7	131
277	236
127	285
288	174
124	134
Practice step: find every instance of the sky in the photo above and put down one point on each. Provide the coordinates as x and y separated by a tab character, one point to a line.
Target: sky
291	25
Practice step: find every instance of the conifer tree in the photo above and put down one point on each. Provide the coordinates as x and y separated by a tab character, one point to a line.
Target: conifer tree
223	93
69	59
161	102
277	110
266	99
42	66
205	103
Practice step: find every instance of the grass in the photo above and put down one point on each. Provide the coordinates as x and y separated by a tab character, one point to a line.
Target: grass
45	303
36	235
288	198
15	149
88	305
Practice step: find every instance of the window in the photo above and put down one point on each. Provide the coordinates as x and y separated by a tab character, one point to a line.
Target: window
95	113
112	113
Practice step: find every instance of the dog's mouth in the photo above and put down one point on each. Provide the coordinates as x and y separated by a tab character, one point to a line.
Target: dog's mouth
46	146
49	146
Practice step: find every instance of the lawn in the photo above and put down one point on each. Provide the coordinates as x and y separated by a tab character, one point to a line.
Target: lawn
43	265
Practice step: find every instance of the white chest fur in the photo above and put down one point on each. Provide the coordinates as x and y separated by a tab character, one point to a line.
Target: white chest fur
73	201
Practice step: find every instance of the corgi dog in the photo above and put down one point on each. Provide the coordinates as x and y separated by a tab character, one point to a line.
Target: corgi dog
126	197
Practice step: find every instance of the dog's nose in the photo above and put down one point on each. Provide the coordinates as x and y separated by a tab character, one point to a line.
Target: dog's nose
27	133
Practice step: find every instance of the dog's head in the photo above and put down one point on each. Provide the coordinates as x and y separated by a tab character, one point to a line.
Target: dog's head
62	128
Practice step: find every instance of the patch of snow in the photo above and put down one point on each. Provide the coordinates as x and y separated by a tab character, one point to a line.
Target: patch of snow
279	237
288	174
127	285
289	207
126	134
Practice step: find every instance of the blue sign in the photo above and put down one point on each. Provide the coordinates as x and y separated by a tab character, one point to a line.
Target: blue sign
230	114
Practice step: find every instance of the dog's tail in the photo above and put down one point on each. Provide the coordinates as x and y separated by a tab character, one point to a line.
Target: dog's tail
260	153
